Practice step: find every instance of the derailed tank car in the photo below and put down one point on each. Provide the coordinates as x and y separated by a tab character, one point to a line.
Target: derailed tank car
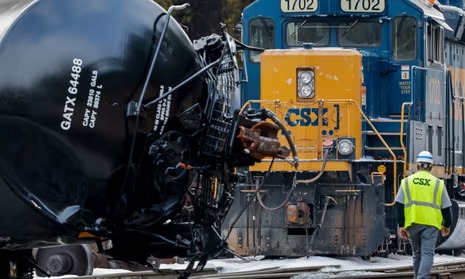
115	126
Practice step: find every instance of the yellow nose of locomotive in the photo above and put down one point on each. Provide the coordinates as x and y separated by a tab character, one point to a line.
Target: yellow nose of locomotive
320	98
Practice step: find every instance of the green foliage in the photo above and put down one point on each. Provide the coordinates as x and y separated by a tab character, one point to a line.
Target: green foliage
233	10
183	17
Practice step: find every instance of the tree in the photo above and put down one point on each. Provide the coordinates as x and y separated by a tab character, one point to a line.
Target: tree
204	16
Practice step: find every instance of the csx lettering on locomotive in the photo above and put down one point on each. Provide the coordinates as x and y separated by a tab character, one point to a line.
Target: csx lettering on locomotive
305	117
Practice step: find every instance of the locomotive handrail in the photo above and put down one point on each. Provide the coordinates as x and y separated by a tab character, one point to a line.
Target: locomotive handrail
380	138
338	101
372	175
401	135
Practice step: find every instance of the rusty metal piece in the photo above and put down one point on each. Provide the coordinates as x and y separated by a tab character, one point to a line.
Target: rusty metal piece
292	213
298	214
262	141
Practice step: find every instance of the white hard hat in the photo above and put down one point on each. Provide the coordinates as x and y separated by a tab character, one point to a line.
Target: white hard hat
425	157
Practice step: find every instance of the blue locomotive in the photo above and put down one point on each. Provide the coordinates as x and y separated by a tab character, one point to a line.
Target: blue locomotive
410	99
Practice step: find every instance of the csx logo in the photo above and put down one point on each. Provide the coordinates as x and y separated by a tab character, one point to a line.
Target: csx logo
304	117
421	181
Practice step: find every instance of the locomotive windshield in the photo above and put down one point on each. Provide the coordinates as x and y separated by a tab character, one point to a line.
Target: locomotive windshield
261	35
298	32
353	33
404	39
359	34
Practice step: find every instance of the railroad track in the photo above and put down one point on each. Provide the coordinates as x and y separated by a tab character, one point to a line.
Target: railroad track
455	270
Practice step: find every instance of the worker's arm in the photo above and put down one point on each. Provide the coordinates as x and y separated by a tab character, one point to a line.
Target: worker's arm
446	216
400	214
446	205
400	200
403	233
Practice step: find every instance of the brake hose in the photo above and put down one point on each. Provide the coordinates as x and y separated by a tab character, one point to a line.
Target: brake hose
294	183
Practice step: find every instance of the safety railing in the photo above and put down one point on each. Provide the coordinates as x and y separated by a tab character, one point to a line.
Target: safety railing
401	135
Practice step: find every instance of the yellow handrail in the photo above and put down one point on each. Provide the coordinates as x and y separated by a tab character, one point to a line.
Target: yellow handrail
401	134
375	173
381	139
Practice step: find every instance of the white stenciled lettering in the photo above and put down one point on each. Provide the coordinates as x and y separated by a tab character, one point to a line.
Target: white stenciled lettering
90	98
70	103
96	99
93	81
93	101
68	116
90	116
65	125
162	113
93	118
85	122
68	111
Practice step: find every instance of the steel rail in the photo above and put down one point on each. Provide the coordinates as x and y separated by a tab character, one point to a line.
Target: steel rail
451	270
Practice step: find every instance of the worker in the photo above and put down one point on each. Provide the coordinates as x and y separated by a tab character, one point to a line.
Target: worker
423	210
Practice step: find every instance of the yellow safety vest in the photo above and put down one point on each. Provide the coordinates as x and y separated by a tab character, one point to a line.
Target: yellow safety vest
422	199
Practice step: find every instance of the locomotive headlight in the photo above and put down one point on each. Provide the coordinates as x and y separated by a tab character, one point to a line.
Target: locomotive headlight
306	92
306	84
305	77
345	147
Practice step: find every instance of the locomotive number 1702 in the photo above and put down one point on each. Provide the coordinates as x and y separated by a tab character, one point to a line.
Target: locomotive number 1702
363	6
296	6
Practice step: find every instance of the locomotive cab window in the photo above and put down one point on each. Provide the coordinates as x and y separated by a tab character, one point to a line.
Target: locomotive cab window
435	43
404	38
261	35
298	32
356	33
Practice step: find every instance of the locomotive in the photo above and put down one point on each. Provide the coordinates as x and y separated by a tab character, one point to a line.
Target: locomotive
363	86
115	126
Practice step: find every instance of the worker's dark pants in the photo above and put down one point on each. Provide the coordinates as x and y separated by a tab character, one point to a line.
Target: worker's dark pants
423	240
